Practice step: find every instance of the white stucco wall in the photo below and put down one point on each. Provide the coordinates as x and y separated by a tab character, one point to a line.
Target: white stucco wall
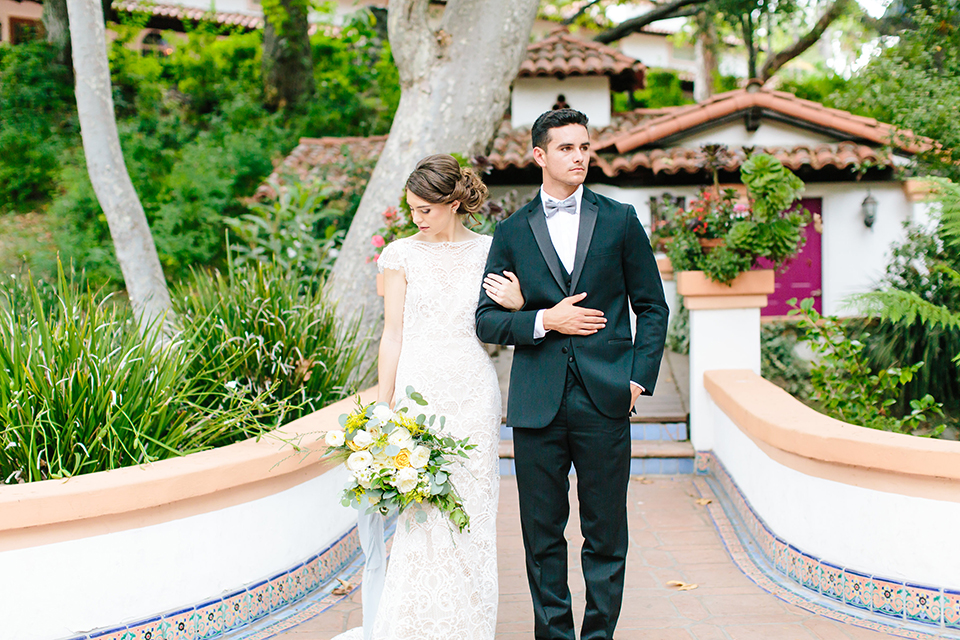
861	529
67	588
656	50
532	96
854	256
770	134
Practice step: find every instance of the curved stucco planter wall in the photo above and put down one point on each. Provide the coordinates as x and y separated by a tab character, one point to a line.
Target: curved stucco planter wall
113	548
864	501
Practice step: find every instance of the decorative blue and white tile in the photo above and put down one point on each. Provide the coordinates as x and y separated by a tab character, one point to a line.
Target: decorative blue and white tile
121	633
858	590
887	598
208	619
793	564
951	609
312	573
831	581
923	605
780	556
259	600
235	611
181	627
810	572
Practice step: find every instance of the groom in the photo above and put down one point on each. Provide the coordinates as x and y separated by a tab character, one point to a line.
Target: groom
583	261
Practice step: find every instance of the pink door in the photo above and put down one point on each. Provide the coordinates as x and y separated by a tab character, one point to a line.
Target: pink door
801	277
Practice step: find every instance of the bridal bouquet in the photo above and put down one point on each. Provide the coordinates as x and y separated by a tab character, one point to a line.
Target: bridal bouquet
397	460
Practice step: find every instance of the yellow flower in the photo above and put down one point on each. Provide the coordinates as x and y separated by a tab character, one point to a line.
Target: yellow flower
402	420
402	459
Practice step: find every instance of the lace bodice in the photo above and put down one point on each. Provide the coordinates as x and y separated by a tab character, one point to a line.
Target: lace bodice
443	283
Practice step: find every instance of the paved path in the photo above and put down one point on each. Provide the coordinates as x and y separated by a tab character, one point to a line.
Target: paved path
672	538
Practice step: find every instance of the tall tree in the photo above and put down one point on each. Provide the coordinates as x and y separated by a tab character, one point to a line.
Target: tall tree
132	240
57	27
455	82
287	64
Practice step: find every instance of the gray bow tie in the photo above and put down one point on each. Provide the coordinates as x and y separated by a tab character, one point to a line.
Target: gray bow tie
569	205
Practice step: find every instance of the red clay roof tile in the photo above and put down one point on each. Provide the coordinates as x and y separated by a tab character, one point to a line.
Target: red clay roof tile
561	55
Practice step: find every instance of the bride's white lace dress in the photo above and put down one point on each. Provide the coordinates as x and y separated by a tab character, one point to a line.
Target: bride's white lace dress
442	584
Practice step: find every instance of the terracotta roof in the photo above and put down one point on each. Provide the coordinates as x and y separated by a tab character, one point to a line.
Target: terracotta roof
314	153
511	150
561	55
844	155
743	101
246	21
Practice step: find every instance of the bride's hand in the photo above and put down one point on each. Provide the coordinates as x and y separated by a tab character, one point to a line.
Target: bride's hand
504	290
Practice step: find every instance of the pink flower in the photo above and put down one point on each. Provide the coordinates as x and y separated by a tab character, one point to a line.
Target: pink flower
389	213
740	208
378	241
376	257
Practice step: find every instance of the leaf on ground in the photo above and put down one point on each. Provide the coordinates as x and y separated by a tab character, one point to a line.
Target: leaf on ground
704	501
343	589
643	480
682	586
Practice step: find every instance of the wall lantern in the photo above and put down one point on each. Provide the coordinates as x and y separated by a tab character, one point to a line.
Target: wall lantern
868	209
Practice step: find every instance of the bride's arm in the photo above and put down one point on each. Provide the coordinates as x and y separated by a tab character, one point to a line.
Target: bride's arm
504	290
394	291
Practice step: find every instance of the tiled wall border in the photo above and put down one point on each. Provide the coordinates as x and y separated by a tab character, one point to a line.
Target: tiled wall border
235	610
836	587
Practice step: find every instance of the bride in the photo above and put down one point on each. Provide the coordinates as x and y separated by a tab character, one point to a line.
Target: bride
440	583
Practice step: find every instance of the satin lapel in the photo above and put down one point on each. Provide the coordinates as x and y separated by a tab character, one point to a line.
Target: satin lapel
538	224
588	220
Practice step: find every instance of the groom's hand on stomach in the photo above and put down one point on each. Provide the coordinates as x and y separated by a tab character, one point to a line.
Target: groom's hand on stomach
570	319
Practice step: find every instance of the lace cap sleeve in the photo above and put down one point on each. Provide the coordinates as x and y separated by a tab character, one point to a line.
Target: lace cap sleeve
391	257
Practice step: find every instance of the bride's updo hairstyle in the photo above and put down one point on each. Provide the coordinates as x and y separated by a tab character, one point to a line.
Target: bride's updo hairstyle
439	179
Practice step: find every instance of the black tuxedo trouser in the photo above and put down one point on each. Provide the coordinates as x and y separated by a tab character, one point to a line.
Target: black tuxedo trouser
599	448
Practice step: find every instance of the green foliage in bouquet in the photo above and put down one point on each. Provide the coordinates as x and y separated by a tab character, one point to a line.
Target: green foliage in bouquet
766	228
398	461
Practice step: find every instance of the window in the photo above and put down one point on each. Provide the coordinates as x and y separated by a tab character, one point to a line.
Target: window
153	44
24	30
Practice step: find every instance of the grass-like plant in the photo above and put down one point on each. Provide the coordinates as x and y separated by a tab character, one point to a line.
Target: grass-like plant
275	337
81	390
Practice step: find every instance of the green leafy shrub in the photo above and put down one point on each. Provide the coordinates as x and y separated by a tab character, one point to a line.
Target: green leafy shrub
779	361
846	388
286	341
37	118
296	230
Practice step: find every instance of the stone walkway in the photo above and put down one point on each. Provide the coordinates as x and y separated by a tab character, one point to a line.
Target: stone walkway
673	538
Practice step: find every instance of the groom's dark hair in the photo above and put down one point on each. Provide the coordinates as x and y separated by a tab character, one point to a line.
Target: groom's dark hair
551	120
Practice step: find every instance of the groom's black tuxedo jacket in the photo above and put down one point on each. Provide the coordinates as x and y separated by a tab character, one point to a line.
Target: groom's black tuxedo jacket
616	268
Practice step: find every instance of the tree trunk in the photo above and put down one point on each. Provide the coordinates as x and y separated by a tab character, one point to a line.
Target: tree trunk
455	85
132	241
746	20
287	64
706	52
57	25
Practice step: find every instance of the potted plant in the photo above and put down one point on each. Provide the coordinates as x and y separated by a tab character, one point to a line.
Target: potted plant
723	238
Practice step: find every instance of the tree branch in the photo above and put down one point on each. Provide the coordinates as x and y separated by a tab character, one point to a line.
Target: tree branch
411	40
775	61
579	13
633	25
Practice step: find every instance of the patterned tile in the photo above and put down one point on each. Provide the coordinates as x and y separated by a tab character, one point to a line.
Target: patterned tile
888	598
780	556
151	629
793	564
831	581
313	574
858	590
180	626
702	462
208	620
923	605
235	610
278	593
951	609
809	570
114	634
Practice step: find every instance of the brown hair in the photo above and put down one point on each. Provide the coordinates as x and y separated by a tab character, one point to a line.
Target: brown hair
439	179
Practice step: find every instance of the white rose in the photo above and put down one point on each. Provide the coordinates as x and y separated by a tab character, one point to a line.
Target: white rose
419	457
382	460
402	438
362	439
383	413
407	479
334	438
359	460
